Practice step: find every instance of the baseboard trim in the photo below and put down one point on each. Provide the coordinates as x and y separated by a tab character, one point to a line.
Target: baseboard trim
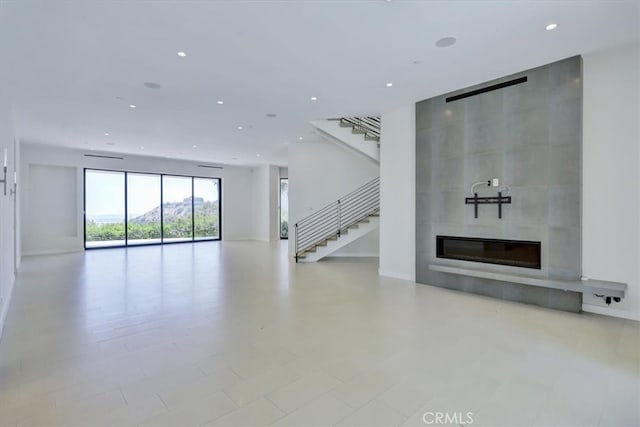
356	255
52	252
396	275
613	312
6	304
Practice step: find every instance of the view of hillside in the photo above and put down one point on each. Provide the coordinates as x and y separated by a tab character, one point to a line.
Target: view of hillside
176	217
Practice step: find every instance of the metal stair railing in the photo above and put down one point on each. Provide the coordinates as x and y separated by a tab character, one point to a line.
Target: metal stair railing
337	217
370	126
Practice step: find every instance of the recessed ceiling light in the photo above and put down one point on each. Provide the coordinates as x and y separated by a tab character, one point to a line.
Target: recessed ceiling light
194	146
220	102
132	106
106	134
142	148
446	41
182	54
257	155
389	84
300	138
314	98
240	128
551	27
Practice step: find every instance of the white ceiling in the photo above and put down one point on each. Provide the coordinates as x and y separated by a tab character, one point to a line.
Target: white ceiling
75	66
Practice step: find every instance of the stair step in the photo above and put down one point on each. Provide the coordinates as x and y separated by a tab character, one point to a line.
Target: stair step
358	131
368	137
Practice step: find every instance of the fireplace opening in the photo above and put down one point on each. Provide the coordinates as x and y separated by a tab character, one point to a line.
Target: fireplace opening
516	253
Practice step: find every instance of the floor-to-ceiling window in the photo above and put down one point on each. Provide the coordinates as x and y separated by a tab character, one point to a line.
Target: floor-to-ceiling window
284	208
127	208
177	208
104	208
206	208
143	209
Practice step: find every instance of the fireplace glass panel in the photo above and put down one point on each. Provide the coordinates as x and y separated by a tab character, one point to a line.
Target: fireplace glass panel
517	253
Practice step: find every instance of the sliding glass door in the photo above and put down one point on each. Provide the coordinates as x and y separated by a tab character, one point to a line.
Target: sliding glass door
129	209
177	208
143	209
104	209
206	208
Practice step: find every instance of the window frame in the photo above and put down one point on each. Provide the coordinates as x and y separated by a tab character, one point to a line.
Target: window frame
126	209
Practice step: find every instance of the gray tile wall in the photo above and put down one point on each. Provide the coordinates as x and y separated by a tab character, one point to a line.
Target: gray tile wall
529	136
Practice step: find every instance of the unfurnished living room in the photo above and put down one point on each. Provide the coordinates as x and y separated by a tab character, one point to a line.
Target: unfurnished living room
318	212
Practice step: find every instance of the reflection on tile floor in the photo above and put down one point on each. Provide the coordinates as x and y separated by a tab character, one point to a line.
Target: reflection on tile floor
234	333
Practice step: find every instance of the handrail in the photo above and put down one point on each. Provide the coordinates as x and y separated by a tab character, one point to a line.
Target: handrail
368	125
336	217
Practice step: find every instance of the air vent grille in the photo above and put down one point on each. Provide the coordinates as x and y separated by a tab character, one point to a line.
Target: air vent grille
488	89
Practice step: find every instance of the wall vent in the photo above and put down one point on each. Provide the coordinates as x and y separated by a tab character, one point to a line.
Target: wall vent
488	89
210	167
100	156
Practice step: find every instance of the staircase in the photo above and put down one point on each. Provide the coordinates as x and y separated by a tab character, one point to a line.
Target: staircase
360	134
339	223
367	126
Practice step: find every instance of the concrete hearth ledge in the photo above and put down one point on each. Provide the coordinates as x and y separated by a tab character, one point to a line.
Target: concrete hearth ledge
612	289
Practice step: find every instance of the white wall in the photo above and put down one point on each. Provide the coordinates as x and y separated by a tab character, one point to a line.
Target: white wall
320	172
7	204
398	194
60	163
265	202
611	165
237	215
52	215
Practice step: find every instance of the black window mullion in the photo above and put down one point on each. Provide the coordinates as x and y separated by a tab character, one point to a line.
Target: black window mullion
126	209
161	209
219	208
84	206
193	210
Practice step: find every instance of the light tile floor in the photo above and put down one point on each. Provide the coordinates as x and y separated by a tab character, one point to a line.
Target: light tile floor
234	333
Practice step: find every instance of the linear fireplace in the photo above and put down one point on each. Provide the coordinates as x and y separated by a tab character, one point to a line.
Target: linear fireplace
517	253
